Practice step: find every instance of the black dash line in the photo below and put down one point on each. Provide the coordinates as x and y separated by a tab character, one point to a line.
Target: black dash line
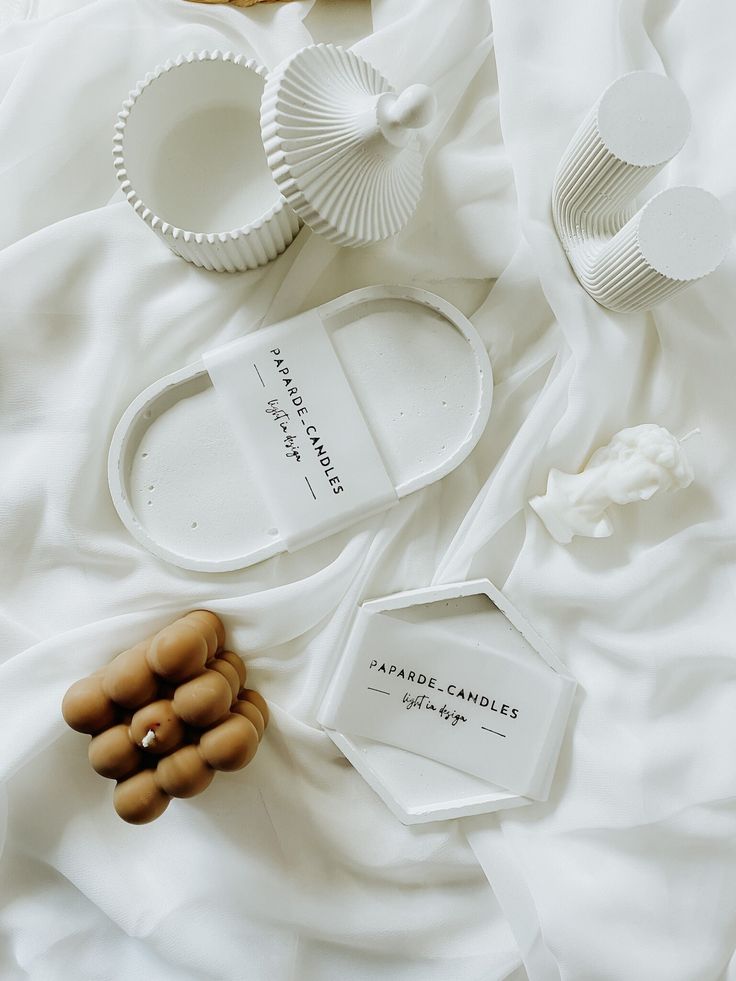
440	689
310	487
378	690
259	374
501	734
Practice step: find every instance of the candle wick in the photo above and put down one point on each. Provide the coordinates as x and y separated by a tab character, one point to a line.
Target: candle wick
150	737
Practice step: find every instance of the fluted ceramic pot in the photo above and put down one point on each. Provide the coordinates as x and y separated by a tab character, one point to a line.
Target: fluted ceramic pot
190	161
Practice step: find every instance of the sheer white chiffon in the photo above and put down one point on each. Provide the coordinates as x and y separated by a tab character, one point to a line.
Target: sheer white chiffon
294	869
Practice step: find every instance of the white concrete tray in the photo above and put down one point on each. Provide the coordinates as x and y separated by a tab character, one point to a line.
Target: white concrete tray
418	789
191	471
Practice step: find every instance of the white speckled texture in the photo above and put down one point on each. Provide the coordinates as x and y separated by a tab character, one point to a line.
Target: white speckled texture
181	482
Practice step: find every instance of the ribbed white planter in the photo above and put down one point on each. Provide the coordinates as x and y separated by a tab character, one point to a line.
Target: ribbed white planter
187	152
628	259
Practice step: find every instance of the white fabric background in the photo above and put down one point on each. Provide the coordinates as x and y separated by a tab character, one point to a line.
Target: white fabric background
294	869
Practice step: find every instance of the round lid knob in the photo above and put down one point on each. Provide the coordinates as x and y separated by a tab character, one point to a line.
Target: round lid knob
398	115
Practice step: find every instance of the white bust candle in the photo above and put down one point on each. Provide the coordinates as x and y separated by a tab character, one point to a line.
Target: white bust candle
636	464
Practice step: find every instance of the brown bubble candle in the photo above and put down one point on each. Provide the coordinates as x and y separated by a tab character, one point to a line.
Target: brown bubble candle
166	714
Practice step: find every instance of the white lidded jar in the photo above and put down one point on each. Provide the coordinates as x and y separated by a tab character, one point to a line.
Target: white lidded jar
189	153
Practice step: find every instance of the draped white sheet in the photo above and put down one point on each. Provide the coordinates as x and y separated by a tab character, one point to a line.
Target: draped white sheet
294	869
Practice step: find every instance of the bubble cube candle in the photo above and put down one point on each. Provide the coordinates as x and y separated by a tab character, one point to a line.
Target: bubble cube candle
165	715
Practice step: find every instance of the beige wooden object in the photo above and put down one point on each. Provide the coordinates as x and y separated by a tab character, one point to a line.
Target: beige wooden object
238	3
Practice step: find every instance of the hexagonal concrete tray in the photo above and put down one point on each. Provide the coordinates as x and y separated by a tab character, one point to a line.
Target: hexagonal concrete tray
418	789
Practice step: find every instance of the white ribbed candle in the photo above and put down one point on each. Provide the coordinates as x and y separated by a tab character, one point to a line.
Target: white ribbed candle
628	259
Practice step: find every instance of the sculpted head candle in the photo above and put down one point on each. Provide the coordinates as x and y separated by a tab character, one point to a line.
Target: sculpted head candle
637	464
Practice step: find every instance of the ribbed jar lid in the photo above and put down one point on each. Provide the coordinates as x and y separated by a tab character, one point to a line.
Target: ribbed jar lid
342	145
